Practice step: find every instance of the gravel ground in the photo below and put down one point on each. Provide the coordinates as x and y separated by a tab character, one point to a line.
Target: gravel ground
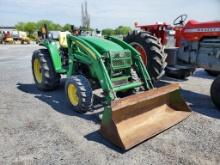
40	127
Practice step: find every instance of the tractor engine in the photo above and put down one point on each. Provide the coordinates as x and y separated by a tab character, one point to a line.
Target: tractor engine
204	53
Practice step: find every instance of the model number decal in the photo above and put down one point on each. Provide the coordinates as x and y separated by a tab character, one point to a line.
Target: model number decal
202	30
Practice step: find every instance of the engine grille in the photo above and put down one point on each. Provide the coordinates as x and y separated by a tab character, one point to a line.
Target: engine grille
121	60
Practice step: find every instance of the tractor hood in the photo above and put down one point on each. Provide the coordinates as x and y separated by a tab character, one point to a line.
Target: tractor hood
192	24
101	45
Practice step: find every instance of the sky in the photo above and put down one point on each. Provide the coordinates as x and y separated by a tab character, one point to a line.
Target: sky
107	13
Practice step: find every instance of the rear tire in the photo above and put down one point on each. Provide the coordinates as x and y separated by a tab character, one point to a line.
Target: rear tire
215	92
151	51
79	93
212	73
44	74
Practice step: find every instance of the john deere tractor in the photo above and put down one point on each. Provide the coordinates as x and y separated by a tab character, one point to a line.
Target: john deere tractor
116	67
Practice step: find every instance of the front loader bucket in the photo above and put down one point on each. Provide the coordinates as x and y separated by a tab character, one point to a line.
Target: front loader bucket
138	117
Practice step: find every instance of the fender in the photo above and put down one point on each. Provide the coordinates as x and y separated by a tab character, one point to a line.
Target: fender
54	55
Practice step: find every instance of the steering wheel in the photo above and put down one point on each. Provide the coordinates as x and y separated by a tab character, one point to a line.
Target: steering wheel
180	19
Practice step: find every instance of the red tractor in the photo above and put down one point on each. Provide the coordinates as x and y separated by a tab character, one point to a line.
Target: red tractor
187	45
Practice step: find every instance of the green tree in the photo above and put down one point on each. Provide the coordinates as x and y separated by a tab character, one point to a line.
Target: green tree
57	27
67	27
122	30
20	26
30	27
50	25
108	32
42	22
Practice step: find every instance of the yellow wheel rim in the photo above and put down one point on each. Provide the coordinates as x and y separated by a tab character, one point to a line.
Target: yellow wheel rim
72	94
37	70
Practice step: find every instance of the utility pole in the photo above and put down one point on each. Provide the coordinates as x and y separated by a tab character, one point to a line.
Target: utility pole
85	16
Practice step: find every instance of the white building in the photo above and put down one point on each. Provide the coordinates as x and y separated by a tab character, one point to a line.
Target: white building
7	28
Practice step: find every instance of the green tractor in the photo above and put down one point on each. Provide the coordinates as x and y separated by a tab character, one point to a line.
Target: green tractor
115	67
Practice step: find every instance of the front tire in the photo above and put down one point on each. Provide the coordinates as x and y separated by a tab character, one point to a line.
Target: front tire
151	50
79	93
215	92
44	74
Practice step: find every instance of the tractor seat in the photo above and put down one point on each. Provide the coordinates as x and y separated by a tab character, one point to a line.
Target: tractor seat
63	39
